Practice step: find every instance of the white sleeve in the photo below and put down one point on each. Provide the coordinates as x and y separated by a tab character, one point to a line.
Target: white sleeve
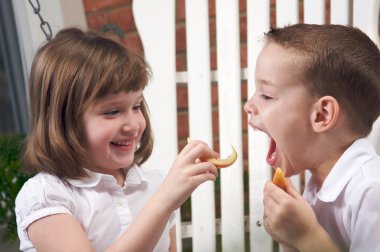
41	196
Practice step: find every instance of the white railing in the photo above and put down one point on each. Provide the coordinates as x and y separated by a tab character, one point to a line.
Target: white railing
155	21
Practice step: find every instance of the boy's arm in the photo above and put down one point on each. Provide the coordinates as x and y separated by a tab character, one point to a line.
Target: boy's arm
289	219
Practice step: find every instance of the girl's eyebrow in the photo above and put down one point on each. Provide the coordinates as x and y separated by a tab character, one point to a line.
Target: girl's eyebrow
112	102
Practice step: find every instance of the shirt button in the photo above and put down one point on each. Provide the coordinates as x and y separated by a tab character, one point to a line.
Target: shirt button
119	201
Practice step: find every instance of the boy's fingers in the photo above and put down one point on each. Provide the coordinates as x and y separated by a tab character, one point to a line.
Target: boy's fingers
291	190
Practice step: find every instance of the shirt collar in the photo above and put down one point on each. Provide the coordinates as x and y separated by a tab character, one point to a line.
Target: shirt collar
358	153
134	177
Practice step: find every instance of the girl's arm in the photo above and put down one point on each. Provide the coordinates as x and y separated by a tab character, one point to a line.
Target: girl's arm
173	239
186	174
62	232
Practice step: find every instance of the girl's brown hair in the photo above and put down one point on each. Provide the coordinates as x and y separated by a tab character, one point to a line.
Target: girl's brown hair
340	61
67	74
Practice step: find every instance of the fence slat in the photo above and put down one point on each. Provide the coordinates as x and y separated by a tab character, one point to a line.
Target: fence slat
286	12
369	25
156	24
369	9
155	21
315	11
228	61
341	12
200	117
258	22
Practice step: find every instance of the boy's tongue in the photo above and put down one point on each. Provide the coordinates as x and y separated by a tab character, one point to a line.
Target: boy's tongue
272	154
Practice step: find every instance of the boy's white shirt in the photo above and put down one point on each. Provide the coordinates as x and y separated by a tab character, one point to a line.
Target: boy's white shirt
348	204
103	208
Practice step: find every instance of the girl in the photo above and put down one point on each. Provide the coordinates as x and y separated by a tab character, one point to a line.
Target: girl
90	131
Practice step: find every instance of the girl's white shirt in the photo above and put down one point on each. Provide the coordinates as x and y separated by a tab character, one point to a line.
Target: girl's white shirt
347	205
103	208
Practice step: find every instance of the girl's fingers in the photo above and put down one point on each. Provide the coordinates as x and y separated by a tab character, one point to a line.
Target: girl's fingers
201	168
196	150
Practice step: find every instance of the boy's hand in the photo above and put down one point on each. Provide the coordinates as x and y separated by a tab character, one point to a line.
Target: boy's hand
288	218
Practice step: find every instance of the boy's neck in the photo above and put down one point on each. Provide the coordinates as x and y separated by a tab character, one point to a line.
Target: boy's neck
330	148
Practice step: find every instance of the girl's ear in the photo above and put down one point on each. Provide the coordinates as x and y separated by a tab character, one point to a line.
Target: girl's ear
325	114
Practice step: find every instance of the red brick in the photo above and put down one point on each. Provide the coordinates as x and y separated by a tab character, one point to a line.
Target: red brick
213	59
243	29
212	32
181	63
123	17
211	8
214	94
180	10
243	6
134	42
97	20
180	39
243	55
94	5
182	97
183	125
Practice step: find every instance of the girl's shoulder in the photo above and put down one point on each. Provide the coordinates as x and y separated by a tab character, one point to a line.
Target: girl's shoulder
44	181
44	191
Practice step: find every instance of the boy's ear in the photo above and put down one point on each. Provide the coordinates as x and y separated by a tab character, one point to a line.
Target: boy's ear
325	114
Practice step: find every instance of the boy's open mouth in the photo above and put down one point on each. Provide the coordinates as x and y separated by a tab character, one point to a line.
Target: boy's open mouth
272	153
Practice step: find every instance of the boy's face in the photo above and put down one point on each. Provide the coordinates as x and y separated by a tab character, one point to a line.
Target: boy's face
113	126
281	107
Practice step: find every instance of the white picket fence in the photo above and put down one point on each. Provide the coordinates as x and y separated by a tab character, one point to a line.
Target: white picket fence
155	21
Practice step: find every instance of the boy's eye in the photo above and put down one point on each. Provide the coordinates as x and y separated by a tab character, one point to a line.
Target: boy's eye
112	112
265	97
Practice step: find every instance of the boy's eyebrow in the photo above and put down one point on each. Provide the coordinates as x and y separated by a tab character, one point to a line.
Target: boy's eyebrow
264	82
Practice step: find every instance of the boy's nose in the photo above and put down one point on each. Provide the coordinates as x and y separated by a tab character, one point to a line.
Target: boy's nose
249	107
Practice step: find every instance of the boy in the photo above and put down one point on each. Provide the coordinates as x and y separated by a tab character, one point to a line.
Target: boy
317	97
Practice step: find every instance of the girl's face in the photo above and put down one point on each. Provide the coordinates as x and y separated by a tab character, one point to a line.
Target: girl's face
113	126
281	107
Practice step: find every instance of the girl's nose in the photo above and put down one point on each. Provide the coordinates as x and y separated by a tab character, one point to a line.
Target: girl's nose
130	126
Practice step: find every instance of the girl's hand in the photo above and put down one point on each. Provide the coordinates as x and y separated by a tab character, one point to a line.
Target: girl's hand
188	172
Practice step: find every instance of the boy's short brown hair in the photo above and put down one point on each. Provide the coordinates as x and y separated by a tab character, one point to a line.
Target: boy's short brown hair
67	74
340	61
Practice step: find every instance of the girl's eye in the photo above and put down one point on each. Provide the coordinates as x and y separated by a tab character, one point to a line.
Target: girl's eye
137	107
112	112
265	97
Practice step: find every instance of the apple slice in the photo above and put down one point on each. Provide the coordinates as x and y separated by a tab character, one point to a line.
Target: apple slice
279	178
222	162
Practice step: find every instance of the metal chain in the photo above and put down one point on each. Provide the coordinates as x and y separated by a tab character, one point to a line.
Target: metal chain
45	26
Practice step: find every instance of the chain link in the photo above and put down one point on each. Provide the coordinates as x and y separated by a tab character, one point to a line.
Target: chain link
44	25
